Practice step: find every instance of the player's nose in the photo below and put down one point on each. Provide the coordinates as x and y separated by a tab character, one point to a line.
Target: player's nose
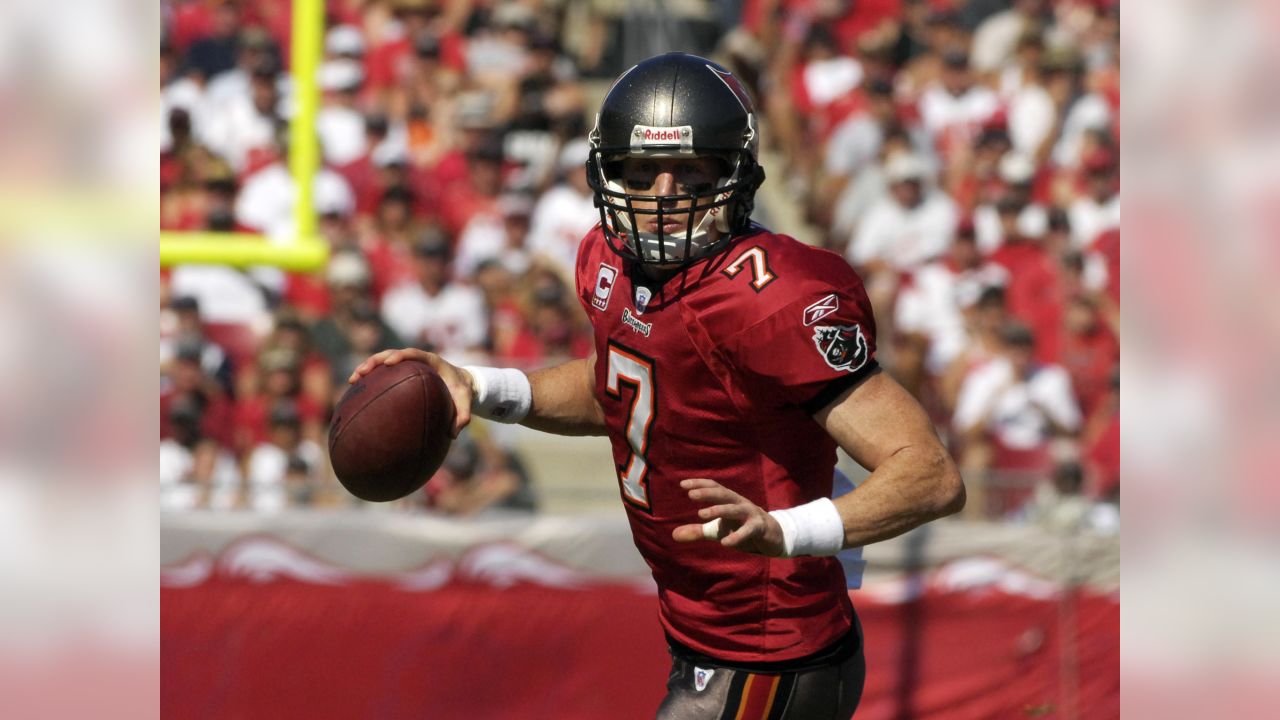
664	185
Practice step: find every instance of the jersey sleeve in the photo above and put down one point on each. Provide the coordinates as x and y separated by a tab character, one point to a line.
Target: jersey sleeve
814	347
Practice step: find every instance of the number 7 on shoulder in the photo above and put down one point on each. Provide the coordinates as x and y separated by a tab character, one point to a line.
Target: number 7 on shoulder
758	260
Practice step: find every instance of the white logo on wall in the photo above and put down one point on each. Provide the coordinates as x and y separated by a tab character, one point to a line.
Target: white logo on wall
604	286
702	676
821	309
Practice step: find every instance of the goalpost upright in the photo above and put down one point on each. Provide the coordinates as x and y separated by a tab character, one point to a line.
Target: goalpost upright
306	251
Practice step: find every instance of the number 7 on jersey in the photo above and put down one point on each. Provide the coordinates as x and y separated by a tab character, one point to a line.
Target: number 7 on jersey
631	368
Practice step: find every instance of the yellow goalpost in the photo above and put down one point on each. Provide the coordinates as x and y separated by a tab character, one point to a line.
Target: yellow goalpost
307	251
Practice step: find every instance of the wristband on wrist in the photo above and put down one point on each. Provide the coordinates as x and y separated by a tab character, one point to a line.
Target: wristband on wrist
500	394
811	529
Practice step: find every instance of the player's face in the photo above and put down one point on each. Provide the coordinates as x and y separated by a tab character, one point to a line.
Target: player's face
666	177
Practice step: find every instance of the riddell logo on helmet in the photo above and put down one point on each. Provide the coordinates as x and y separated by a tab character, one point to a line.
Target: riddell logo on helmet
661	135
645	136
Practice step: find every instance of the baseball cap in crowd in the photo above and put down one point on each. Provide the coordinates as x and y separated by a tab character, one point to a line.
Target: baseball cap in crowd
432	244
347	269
427	45
190	349
513	15
490	149
1016	168
255	38
573	156
955	60
285	414
340	75
474	111
344	40
278	359
363	311
515	205
879	87
185	303
906	166
1099	161
1015	334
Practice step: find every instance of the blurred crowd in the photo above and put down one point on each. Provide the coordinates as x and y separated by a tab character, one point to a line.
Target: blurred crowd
963	155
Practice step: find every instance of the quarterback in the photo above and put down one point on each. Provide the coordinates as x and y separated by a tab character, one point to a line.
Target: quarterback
730	362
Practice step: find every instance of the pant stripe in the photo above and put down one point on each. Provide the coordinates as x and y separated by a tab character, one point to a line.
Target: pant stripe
757	697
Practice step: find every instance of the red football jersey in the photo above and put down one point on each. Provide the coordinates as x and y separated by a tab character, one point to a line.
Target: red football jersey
716	374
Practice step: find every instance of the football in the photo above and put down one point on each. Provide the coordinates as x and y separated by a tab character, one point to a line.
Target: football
391	431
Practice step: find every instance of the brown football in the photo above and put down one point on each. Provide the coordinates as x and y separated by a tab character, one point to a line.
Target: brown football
391	431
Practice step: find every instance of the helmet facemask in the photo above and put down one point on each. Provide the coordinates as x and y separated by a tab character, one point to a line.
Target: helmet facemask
624	214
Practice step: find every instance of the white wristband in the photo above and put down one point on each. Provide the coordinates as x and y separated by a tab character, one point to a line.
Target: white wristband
811	529
501	394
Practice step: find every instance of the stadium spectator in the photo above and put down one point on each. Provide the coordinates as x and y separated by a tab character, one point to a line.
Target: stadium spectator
478	476
1097	209
911	226
284	469
564	213
181	326
433	310
185	381
1089	353
1034	291
195	472
1011	408
267	198
928	314
955	108
496	232
983	320
213	50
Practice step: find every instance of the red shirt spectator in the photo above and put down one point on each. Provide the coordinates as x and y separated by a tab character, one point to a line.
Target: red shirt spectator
1033	293
1089	353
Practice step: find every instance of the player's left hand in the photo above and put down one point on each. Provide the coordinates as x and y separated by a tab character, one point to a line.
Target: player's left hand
730	519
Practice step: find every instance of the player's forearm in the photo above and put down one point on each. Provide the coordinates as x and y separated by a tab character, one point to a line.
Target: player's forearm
910	488
564	400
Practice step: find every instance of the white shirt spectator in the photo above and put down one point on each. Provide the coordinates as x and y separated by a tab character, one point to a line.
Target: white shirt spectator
1089	219
904	238
1032	119
233	128
342	134
485	238
453	321
1033	221
1017	412
1089	112
225	294
828	80
995	40
560	220
853	145
941	110
932	304
176	490
266	200
268	466
182	94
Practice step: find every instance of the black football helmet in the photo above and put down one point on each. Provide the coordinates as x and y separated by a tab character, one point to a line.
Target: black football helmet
672	106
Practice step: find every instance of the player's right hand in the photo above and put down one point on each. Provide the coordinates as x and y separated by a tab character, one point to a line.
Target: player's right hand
459	382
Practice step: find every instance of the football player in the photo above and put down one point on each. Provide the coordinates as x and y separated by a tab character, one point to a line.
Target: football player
729	364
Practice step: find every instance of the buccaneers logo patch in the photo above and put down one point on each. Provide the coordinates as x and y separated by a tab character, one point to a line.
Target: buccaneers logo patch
843	347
